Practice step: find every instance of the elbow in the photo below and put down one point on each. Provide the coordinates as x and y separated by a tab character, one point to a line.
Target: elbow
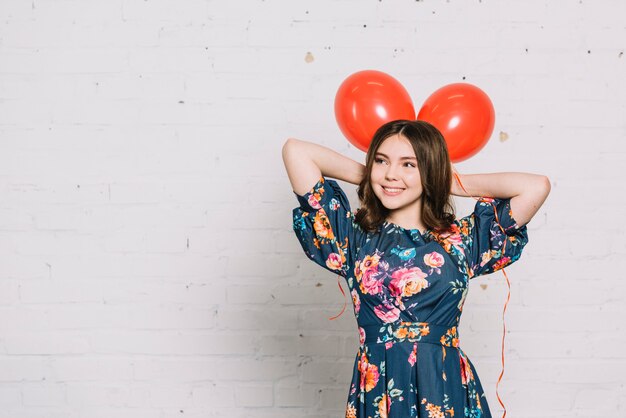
542	190
546	185
289	144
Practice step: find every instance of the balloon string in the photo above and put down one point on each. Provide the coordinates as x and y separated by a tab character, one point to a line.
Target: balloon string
508	296
344	299
503	334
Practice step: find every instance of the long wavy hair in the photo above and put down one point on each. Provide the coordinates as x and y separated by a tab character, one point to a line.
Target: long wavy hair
435	170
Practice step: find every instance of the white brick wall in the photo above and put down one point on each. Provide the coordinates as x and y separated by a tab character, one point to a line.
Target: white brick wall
147	263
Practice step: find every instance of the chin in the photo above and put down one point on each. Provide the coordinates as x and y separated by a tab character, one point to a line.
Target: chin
388	206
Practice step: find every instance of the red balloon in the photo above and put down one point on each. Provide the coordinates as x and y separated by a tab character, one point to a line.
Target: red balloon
365	101
465	116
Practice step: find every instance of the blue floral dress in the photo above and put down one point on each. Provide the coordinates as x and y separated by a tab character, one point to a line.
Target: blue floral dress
408	291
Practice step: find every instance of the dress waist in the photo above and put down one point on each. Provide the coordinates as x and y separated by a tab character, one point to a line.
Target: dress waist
423	332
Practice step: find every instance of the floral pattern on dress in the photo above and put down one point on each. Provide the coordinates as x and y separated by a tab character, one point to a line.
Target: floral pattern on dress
407	291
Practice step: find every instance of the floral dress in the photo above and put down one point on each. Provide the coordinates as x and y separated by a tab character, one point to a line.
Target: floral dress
408	291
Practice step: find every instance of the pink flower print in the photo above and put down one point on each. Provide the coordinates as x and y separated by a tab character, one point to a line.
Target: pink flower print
387	313
455	240
369	284
334	261
365	272
361	336
434	260
315	204
464	371
407	282
413	355
502	262
356	301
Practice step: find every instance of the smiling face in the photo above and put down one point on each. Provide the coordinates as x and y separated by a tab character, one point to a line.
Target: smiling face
395	177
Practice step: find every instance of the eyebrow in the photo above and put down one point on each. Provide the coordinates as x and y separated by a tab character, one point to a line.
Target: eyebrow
401	158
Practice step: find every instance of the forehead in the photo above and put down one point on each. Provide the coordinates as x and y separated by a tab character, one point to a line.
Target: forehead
396	146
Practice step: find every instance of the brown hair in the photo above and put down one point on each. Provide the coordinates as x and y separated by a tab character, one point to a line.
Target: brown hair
435	169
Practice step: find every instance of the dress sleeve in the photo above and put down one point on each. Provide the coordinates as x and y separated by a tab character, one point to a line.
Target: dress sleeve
488	247
324	226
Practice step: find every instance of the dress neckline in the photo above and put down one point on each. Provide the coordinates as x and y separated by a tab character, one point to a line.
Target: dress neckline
411	230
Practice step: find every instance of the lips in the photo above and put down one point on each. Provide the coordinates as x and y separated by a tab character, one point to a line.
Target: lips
392	191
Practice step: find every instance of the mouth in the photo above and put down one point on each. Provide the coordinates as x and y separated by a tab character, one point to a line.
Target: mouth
392	191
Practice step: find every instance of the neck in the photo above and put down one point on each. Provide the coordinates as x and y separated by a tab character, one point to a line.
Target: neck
408	217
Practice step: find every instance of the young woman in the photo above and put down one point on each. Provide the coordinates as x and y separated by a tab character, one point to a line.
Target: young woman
407	260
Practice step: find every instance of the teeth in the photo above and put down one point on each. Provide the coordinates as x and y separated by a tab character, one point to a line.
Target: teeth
392	190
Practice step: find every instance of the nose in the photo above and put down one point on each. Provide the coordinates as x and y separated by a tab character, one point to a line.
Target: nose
390	174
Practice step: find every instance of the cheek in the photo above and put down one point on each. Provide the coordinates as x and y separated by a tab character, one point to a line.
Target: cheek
375	174
414	179
413	176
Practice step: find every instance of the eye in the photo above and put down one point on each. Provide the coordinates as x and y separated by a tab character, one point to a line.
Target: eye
410	164
378	160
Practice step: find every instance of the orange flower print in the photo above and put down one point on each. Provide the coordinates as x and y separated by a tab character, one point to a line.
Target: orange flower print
409	330
382	407
322	226
356	301
464	229
351	411
450	338
487	255
334	261
434	260
401	332
369	374
434	411
370	262
415	286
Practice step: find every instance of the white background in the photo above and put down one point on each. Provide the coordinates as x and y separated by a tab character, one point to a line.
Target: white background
147	262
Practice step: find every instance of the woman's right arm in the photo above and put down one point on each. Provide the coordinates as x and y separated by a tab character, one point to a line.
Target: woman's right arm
306	162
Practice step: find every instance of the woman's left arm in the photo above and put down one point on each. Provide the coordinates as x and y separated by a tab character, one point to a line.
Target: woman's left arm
527	191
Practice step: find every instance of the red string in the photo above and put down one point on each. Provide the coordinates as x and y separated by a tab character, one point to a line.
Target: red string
508	296
344	299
